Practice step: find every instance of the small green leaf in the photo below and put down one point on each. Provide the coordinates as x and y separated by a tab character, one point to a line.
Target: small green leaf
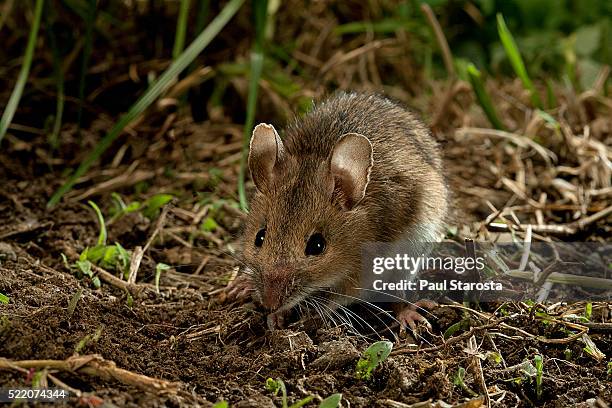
155	203
209	224
331	402
494	357
84	267
221	404
4	299
95	254
132	207
372	357
463	324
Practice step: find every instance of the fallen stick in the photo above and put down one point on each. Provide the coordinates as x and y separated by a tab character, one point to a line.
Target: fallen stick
96	366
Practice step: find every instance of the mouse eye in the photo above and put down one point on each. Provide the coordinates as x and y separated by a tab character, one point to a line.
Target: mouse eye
315	244
259	238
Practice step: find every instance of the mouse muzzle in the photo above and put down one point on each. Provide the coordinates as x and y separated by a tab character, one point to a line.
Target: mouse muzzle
276	287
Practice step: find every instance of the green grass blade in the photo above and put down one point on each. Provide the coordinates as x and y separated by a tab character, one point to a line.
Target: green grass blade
516	60
482	96
181	29
11	106
102	235
152	93
260	8
59	82
90	21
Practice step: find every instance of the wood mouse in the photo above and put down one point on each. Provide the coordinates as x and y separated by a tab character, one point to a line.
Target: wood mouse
357	168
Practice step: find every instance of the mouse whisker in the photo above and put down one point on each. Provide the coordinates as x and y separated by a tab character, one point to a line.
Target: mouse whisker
316	308
347	318
358	318
401	300
342	320
384	312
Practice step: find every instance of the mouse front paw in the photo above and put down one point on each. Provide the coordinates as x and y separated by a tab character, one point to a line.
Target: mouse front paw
410	316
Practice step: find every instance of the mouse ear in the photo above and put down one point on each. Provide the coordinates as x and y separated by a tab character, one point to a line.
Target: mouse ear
350	165
266	150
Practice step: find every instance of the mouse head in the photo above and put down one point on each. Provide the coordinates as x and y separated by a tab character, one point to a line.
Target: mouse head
302	234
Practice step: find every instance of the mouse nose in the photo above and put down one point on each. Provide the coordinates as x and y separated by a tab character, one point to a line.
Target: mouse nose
275	287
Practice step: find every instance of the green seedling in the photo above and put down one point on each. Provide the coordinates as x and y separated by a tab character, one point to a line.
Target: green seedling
458	381
154	91
74	300
87	340
159	268
567	354
113	257
516	60
588	311
11	105
475	78
331	402
221	404
129	299
539	366
4	299
494	357
38	376
372	357
463	324
153	205
274	386
609	368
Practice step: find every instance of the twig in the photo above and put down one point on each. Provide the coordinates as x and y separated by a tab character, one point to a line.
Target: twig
473	348
566	278
452	340
96	366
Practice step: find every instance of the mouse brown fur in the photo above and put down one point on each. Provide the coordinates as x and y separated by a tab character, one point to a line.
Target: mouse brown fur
357	168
